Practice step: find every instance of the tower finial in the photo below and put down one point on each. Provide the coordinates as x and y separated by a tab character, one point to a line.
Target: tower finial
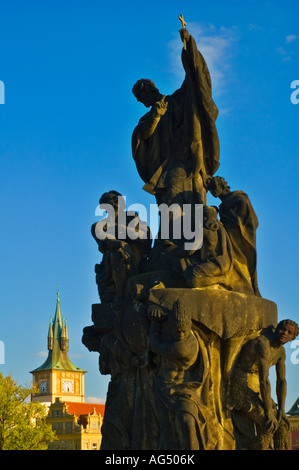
50	336
58	293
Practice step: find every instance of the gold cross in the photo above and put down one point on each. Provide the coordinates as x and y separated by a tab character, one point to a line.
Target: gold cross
181	18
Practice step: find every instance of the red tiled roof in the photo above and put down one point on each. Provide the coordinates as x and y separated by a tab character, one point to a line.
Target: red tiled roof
80	409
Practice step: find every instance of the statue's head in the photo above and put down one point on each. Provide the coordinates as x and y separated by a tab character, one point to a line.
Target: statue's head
286	331
113	198
146	92
217	186
180	321
210	219
210	212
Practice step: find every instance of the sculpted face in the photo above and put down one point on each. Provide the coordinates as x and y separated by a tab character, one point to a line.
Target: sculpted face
218	186
216	191
179	332
146	92
215	188
285	333
146	97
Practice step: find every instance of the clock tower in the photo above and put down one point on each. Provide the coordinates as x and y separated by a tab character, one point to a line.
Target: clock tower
58	377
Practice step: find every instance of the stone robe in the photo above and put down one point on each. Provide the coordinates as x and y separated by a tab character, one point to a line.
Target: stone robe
240	221
183	151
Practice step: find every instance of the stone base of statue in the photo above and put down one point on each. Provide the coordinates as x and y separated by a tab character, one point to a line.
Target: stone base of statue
175	392
222	321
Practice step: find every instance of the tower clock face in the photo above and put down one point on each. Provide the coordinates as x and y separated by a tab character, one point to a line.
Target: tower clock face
68	386
43	386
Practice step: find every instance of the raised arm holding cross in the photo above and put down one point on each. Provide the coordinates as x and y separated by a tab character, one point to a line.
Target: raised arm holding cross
181	18
175	144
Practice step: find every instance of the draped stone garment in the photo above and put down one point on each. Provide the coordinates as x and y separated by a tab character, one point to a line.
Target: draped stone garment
240	221
184	148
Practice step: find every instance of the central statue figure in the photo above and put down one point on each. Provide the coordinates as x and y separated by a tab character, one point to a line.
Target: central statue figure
175	145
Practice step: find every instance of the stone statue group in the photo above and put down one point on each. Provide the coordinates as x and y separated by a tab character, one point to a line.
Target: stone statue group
185	334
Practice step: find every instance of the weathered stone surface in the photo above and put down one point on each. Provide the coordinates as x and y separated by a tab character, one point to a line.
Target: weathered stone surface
182	330
225	313
102	317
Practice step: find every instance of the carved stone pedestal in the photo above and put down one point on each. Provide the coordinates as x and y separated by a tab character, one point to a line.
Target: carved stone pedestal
222	322
170	393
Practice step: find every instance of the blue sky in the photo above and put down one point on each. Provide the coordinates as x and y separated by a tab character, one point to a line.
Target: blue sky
65	137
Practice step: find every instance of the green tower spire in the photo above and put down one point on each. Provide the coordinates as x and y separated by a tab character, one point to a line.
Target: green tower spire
58	344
